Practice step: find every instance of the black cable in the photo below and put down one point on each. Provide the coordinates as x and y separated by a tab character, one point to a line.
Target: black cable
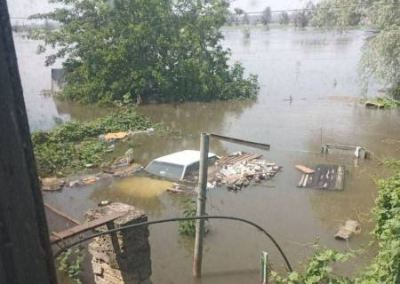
174	220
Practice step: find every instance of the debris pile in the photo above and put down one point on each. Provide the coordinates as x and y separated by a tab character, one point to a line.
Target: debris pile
84	181
125	171
329	177
349	228
123	161
178	188
52	183
242	169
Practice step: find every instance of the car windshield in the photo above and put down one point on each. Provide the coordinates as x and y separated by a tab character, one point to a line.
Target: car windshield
165	170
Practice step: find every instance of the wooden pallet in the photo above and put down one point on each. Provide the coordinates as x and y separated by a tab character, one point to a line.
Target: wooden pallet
325	177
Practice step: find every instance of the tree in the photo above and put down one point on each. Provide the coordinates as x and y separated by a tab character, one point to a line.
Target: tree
148	49
381	54
239	12
302	18
266	16
329	14
246	19
284	18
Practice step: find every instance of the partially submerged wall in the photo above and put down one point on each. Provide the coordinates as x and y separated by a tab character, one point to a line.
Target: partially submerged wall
124	256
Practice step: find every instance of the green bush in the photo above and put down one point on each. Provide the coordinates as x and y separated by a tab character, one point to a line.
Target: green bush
188	228
72	145
384	268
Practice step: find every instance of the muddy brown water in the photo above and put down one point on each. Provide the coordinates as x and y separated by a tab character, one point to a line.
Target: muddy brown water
319	72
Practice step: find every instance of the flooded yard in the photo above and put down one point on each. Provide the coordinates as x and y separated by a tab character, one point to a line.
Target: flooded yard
310	87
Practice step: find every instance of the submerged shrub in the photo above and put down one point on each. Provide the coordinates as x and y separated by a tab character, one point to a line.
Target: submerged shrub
72	145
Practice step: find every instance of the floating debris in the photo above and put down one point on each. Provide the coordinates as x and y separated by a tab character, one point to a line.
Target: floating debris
175	191
125	171
179	188
52	183
304	169
324	177
124	161
150	130
109	137
104	203
110	148
242	169
348	229
84	181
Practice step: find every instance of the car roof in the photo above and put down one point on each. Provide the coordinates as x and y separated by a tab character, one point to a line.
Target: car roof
183	158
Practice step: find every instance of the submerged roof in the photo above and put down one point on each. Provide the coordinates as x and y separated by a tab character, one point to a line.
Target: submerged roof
183	158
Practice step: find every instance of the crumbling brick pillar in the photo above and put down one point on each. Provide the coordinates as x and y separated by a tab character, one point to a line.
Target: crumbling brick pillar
124	256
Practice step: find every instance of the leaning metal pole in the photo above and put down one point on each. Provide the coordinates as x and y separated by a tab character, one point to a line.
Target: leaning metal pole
201	203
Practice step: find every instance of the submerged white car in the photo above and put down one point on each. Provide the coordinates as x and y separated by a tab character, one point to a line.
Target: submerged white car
179	165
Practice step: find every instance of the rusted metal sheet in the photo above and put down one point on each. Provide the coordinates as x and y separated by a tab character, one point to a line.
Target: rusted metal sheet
325	177
79	229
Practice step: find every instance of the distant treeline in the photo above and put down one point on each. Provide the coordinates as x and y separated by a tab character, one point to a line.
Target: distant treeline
299	18
18	27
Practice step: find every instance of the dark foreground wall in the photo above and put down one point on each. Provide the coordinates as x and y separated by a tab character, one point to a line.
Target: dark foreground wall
25	255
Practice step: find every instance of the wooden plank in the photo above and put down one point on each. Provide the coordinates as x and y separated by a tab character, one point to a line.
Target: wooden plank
25	252
305	180
236	159
62	214
339	185
79	229
247	158
301	180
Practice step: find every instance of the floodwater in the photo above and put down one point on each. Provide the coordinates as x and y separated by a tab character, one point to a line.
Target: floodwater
309	94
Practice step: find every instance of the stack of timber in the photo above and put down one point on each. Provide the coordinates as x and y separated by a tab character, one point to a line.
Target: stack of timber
241	169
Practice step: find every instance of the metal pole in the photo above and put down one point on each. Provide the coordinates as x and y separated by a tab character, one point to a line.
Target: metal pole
201	203
264	268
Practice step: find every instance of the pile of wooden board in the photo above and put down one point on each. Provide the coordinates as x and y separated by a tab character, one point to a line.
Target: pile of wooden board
241	169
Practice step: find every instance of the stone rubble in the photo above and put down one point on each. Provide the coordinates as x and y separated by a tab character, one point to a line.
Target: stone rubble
243	174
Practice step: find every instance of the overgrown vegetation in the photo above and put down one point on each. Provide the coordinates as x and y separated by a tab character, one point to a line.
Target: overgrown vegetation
188	228
381	55
385	267
72	145
70	263
141	50
386	102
